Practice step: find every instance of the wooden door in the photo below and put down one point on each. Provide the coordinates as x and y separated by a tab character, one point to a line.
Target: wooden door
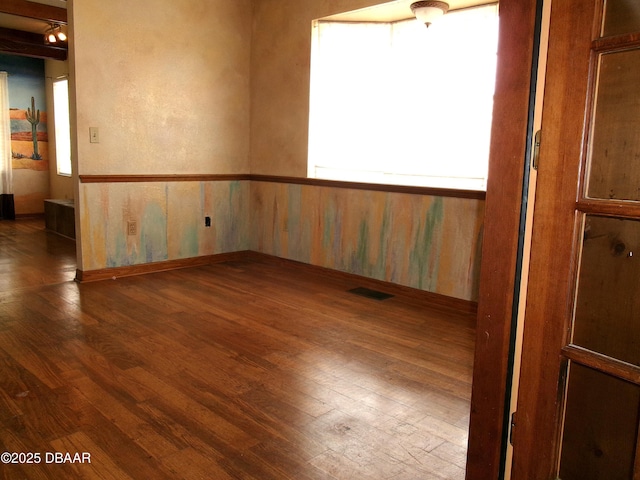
579	399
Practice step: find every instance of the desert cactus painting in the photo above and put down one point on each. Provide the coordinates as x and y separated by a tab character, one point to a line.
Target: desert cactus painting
33	117
28	119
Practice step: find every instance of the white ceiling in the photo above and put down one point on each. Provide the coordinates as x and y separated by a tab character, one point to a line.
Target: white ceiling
395	10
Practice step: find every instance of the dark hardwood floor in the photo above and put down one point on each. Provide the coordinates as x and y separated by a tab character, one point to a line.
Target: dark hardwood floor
242	370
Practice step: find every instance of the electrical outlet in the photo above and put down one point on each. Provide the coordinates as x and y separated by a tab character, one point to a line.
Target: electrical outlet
132	227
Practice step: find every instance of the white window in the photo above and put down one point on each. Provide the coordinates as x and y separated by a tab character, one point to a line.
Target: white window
400	103
61	126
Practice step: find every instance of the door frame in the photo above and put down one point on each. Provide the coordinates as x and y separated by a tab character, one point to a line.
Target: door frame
505	209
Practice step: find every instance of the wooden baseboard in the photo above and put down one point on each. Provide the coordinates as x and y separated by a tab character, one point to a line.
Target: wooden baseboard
430	298
144	268
422	296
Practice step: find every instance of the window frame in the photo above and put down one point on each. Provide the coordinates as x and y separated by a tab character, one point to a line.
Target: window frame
420	177
62	127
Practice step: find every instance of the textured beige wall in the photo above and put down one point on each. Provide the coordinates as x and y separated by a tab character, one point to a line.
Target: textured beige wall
166	83
280	55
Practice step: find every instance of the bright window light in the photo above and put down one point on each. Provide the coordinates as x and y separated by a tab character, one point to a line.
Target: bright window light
61	125
399	103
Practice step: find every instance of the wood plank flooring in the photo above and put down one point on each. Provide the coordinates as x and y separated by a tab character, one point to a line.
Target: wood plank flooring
239	370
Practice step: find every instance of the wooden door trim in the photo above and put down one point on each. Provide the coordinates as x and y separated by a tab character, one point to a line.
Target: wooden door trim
553	254
603	363
502	229
618	42
619	208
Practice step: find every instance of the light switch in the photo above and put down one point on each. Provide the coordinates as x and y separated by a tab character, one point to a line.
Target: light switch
94	136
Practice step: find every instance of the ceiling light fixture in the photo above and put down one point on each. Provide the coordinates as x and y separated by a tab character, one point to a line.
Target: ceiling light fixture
55	33
60	34
427	12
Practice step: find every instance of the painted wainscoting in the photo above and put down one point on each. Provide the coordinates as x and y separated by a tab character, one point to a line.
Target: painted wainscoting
427	242
422	239
170	221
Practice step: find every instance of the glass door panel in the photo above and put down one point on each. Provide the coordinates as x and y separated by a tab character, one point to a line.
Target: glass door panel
614	169
599	433
601	423
621	16
607	313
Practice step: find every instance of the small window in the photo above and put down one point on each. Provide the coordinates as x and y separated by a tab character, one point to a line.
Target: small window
400	103
61	126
